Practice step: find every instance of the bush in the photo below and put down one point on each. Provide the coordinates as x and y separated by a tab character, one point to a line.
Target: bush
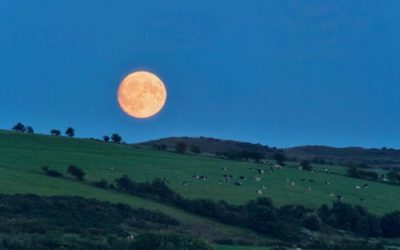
76	172
55	132
391	224
312	222
101	184
180	148
52	173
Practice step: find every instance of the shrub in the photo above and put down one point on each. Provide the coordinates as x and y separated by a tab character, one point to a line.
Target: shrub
312	222
52	173
76	172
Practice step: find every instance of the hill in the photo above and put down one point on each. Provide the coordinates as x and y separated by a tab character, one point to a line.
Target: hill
210	145
382	158
23	155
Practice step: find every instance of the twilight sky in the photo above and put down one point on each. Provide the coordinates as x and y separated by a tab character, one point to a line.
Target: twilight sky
281	73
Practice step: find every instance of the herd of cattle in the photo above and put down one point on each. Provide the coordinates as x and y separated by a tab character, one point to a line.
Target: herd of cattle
240	180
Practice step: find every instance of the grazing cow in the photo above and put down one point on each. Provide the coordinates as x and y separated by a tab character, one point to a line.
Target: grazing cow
257	178
293	184
327	183
225	176
196	176
242	178
238	183
331	194
185	183
311	180
260	171
309	189
130	237
339	197
112	168
264	187
166	181
326	170
303	180
203	178
363	200
224	168
358	187
365	186
259	192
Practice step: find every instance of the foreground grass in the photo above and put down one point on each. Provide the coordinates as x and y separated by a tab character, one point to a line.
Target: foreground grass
27	153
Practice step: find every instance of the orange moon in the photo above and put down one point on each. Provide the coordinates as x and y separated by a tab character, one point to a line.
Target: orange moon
142	94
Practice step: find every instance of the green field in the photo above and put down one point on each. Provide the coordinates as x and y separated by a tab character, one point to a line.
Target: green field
22	155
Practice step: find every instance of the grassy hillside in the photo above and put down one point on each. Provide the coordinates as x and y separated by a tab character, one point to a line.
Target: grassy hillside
22	155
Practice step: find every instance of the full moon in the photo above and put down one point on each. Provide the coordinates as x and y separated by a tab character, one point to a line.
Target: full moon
142	94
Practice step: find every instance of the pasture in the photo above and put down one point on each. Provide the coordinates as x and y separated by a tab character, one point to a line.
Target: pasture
23	155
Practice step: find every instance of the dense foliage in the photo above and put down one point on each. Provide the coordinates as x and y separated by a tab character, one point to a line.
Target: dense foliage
64	222
262	216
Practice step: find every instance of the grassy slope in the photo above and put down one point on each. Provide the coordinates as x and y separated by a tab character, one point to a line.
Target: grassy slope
27	153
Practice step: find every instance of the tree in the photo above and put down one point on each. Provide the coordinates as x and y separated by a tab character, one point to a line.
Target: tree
55	132
393	176
106	138
116	138
280	159
195	149
70	132
391	224
353	172
19	127
306	165
180	148
29	130
76	172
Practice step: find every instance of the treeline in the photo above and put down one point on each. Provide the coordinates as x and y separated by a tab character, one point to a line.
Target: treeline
241	155
70	132
362	174
262	216
392	176
65	222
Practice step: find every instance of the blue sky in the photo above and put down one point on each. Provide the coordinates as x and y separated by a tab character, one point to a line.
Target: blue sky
281	73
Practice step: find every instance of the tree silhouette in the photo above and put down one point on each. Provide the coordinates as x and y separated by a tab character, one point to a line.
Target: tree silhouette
116	138
29	130
19	127
106	138
280	159
55	132
306	165
70	132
